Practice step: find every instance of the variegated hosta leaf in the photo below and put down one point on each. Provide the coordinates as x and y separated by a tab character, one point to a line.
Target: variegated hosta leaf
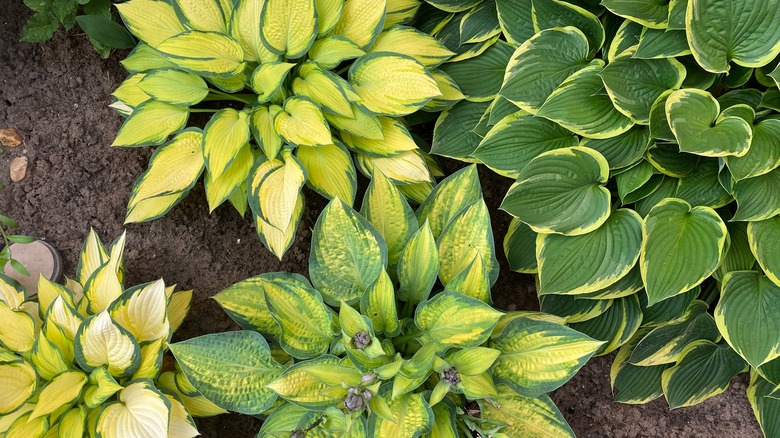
332	50
142	311
347	254
450	197
231	182
360	124
19	382
101	386
268	77
602	257
632	384
178	308
409	41
17	329
62	390
572	308
378	303
757	198
263	130
396	140
454	134
223	137
72	423
765	407
21	427
130	93
151	359
302	123
231	369
288	27
198	406
143	58
152	21
524	416
151	123
298	386
244	25
11	292
763	155
450	93
764	239
481	75
468	235
746	316
204	53
141	408
361	21
539	356
47	358
411	417
101	341
92	256
288	418
105	285
615	326
674	235
181	424
623	150
302	338
276	240
653	13
204	15
418	266
452	319
562	191
174	87
274	189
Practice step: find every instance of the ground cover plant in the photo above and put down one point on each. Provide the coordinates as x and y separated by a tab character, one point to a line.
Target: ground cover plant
312	99
85	359
644	138
377	353
7	225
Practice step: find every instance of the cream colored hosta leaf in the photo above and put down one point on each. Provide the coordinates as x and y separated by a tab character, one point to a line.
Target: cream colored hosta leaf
47	358
263	130
141	411
392	84
11	292
62	390
19	383
17	329
279	241
173	170
223	137
142	311
411	42
104	286
231	180
288	27
405	168
397	140
151	123
100	341
274	190
93	255
332	50
330	171
152	21
268	77
244	26
302	123
361	21
323	88
178	307
204	15
181	423
65	317
204	53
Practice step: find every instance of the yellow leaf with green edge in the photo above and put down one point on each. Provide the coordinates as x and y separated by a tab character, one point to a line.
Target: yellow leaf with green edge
101	386
60	340
219	189
245	303
48	291
400	11
274	193
204	53
329	170
47	358
392	84
144	58
405	168
141	411
467	235
72	423
178	307
360	124
297	386
19	382
11	292
323	88
142	311
174	87
198	406
223	137
65	317
450	93
302	123
230	84
361	21
452	319
397	140
24	427
244	26
473	280
202	15
173	170
288	27
411	42
17	329
268	77
152	21
378	304
7	420
276	240
263	130
539	356
100	341
151	123
302	338
181	423
130	93
92	256
62	390
418	266
412	417
536	417
104	286
328	14
332	50
449	198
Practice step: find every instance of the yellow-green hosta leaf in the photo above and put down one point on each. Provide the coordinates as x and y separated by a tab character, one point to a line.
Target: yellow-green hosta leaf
141	408
231	180
71	425
562	192
22	428
204	53
178	307
467	235
174	87
289	417
302	123
411	417
181	423
602	257
173	170
204	15
702	129
144	58
100	341
332	50
92	256
274	193
19	382
11	292
328	14
473	280
231	369
400	11
48	291
764	237
323	88
276	240
101	386
302	338
392	84
453	194
704	370
142	311
744	32
397	140
105	285
198	406
297	386
152	21
268	77
579	105
263	131
361	21
411	42
536	417
60	339
244	25
230	84
418	266
405	168
223	137
9	419
360	124
378	303
390	214
47	358
17	329
62	390
288	27
347	254
151	123
329	171
452	319
539	356
763	155
616	326
674	235
130	93
450	93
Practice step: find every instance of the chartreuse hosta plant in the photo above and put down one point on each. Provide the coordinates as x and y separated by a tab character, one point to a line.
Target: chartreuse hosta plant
644	138
372	347
305	92
84	359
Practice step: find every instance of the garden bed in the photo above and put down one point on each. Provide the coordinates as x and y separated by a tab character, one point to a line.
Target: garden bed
57	95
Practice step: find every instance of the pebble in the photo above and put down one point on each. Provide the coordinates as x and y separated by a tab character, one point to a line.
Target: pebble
18	168
10	137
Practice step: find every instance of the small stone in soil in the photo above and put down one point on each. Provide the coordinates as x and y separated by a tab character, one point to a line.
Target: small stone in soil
18	168
10	137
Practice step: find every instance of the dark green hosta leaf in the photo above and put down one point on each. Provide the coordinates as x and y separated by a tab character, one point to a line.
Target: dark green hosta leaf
758	198
747	316
453	135
601	257
629	284
697	77
481	77
739	256
562	192
701	128
667	159
480	23
623	150
746	32
702	187
631	180
231	369
763	155
581	105
767	409
541	64
549	14
661	43
764	239
517	139
516	19
573	309
704	370
626	37
666	189
520	247
632	384
659	124
676	235
523	415
347	254
649	13
667	310
615	326
106	31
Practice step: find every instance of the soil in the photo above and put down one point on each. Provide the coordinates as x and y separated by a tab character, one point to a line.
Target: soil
57	95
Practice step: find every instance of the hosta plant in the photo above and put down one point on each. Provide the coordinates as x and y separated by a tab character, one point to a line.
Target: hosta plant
82	360
374	346
646	160
299	92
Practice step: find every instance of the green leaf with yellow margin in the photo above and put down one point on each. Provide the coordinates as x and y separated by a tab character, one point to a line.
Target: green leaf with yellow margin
764	239
763	155
204	53
452	319
616	326
152	21
140	408
100	341
302	338
288	27
20	382
653	13
536	417
757	198
520	247
632	384
151	123
62	390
